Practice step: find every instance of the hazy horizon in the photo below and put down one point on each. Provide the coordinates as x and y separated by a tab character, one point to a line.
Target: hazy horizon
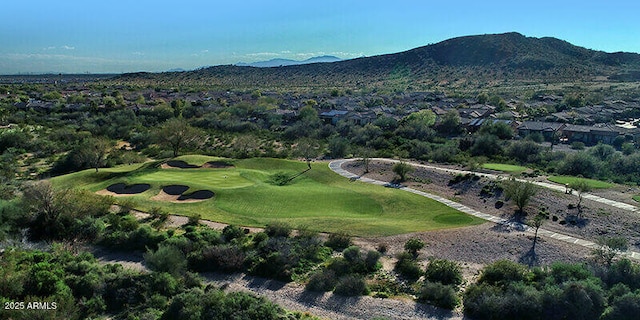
119	36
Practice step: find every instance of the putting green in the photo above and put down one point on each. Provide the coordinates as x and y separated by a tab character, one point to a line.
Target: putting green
318	199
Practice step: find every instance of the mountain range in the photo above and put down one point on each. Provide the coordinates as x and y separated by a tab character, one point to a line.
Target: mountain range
463	61
279	62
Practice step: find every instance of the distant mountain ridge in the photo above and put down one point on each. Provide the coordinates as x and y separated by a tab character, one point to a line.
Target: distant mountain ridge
463	61
279	62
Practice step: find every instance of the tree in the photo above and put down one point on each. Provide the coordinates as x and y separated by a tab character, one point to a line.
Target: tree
450	123
176	133
520	192
308	149
608	248
365	156
581	186
402	169
537	222
93	152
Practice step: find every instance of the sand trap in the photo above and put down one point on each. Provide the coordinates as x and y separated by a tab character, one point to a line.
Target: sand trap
122	189
179	164
176	194
172	164
175	189
217	165
197	195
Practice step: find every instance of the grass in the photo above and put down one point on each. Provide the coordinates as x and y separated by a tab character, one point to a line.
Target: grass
505	167
594	184
319	200
636	198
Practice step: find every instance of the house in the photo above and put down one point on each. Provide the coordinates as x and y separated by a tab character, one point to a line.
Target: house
547	129
590	134
362	118
333	116
474	124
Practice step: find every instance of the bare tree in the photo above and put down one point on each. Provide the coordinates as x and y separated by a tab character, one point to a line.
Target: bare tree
581	186
536	222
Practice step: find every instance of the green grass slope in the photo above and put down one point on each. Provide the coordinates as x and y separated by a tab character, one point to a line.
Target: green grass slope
594	184
319	199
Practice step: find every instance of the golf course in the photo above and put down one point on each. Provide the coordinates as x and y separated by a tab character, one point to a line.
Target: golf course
243	192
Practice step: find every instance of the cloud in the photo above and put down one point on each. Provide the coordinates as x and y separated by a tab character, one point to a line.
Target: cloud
64	47
137	53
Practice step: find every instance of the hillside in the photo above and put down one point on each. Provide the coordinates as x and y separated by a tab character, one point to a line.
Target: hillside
278	62
463	61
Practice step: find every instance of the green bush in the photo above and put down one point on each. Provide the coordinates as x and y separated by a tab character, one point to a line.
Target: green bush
351	285
338	241
439	295
278	229
166	259
444	271
322	281
279	178
414	245
408	267
503	272
231	232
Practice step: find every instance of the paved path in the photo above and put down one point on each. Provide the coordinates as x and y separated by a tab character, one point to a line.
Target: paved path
336	166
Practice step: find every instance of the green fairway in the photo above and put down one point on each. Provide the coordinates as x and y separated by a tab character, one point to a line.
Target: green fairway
504	167
594	184
319	199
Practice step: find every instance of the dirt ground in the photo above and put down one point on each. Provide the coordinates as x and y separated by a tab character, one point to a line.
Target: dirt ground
596	220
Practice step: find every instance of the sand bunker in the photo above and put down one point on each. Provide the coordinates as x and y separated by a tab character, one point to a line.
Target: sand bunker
217	165
122	189
175	190
183	165
180	164
176	194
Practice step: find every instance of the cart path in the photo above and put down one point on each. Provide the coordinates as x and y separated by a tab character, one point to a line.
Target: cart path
336	166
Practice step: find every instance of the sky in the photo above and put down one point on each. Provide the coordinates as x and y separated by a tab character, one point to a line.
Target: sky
117	36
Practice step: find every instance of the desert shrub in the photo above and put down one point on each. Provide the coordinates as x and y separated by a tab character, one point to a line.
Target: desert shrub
340	266
278	229
194	220
338	241
351	285
231	232
408	267
414	245
260	237
322	281
279	178
439	295
166	259
444	271
577	145
482	301
503	272
225	258
623	307
275	265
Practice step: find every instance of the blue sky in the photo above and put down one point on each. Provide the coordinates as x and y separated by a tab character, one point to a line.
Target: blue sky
76	36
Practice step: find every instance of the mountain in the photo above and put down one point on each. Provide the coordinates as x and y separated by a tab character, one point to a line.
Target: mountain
287	62
466	62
